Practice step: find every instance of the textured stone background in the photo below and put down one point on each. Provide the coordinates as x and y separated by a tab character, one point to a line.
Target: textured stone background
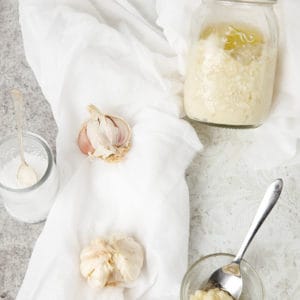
224	191
17	239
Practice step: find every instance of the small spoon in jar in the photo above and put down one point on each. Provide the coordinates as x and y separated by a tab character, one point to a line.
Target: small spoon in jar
229	277
26	175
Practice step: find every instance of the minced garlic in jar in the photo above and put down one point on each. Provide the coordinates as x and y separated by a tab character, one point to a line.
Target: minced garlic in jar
230	76
213	294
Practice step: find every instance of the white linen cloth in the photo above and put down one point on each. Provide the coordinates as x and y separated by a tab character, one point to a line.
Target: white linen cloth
108	54
128	57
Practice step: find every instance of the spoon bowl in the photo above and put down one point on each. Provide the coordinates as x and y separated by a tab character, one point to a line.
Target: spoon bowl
26	175
227	278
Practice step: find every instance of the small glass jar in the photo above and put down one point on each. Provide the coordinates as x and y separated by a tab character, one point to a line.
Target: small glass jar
198	274
30	204
232	63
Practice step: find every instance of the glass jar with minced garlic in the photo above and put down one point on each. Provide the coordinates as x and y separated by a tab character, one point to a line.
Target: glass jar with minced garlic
231	63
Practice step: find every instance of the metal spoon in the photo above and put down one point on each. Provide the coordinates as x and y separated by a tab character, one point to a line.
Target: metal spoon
229	278
26	176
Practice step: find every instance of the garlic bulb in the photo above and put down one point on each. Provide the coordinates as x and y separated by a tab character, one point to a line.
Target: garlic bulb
104	136
117	260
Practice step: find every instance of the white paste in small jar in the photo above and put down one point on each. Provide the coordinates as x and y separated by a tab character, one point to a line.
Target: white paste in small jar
29	204
8	174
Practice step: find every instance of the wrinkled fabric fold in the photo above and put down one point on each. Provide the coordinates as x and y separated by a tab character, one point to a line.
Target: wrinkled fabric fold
128	58
109	54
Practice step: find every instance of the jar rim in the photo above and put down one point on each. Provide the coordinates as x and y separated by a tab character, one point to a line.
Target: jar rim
50	157
251	1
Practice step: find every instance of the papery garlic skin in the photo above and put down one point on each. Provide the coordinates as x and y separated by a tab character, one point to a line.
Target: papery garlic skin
104	136
96	263
83	141
116	261
128	257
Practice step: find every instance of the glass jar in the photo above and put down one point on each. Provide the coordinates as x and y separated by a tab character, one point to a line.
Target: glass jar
30	204
232	63
197	275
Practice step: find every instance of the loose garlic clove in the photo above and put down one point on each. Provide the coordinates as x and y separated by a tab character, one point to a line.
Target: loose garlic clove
95	263
128	258
104	136
116	261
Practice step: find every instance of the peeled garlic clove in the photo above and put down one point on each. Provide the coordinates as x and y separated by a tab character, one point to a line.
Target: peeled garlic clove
96	263
104	136
128	258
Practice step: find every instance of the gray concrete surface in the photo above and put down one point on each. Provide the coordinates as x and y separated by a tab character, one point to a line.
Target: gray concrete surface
17	239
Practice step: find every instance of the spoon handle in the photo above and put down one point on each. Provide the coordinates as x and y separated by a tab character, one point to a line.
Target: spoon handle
271	196
18	103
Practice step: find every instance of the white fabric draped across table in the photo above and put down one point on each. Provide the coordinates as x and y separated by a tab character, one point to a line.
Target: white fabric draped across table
128	57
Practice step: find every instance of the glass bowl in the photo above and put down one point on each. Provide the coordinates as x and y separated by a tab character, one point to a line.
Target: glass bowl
201	270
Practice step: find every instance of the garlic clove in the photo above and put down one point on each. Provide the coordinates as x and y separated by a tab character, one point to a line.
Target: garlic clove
83	141
97	133
96	263
115	278
95	113
104	136
99	275
128	258
111	129
96	247
124	134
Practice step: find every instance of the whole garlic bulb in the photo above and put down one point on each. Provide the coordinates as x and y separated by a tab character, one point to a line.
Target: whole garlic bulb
111	262
104	136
